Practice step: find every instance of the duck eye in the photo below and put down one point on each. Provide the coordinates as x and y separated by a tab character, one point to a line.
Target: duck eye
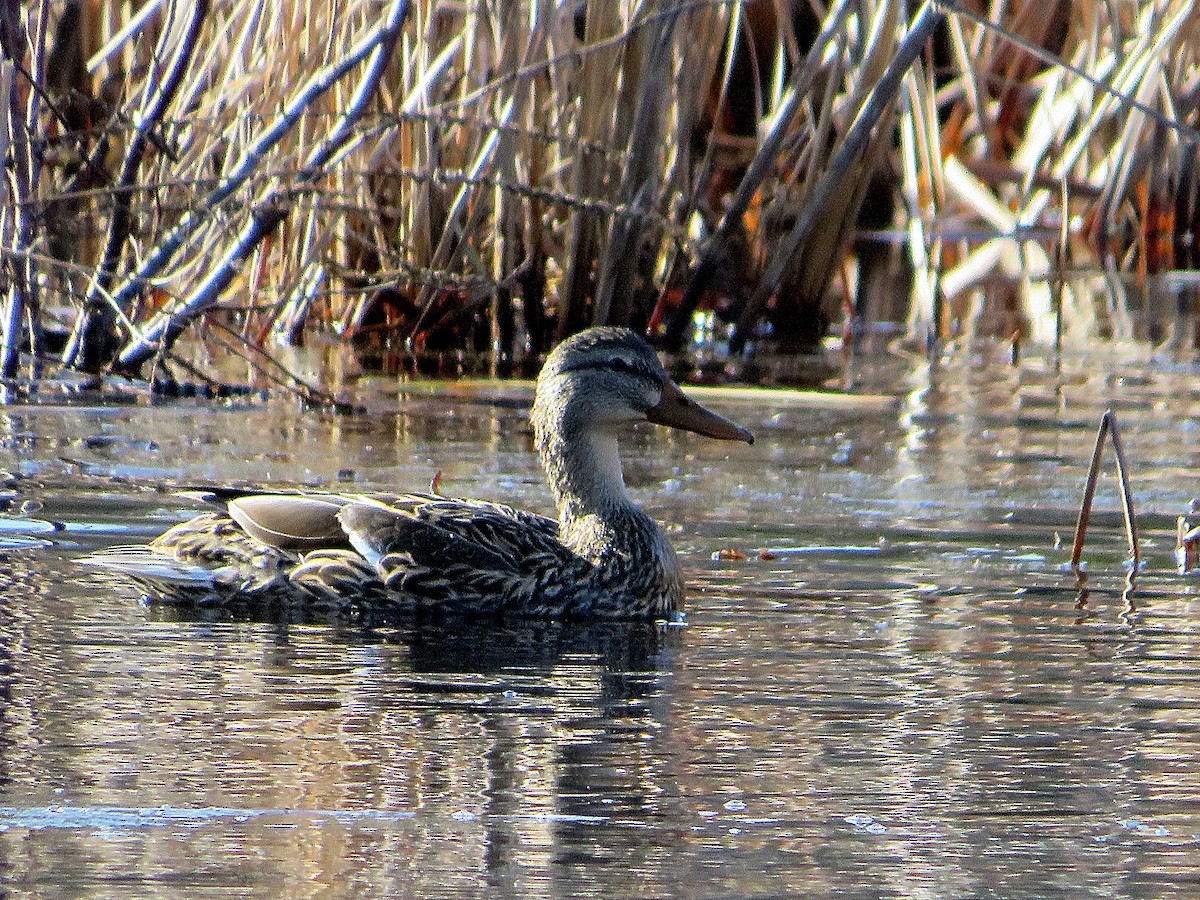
620	364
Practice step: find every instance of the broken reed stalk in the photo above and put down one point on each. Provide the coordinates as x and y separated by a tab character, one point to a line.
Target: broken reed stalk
13	223
797	94
18	223
1108	423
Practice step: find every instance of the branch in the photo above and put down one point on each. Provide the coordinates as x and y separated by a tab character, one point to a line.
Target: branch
95	323
379	43
274	206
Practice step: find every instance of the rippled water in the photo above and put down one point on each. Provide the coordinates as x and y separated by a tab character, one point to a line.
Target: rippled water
905	697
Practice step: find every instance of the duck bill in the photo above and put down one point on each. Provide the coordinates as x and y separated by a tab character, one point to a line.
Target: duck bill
675	410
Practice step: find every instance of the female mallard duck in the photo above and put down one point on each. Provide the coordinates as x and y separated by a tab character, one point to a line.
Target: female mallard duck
604	557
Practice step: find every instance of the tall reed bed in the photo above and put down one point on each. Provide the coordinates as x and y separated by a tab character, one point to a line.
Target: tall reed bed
493	176
1049	167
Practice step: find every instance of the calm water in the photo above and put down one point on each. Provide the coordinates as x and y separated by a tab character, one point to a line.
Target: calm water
911	699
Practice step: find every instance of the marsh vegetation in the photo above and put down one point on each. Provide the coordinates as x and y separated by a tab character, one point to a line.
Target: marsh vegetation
447	177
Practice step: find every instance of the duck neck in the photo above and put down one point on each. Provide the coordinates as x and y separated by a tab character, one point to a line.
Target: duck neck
584	472
597	519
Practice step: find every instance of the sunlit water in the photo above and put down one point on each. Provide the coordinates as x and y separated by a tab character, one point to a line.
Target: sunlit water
907	697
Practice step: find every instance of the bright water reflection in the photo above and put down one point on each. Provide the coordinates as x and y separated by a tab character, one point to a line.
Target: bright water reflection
909	699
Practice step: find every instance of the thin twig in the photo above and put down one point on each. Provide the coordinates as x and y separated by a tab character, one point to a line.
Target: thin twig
289	380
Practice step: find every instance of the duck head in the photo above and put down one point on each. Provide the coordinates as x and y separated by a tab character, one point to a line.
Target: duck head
593	386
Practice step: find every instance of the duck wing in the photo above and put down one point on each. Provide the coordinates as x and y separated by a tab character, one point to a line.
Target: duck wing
291	521
351	551
296	521
467	556
513	534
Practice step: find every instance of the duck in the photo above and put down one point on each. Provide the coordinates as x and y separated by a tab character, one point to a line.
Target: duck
604	557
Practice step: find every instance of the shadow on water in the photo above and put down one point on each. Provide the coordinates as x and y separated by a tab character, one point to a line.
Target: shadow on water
886	686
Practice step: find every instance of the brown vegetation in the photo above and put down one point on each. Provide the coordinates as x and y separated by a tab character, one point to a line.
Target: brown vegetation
461	175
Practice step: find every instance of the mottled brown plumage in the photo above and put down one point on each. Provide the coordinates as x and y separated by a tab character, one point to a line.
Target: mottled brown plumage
604	557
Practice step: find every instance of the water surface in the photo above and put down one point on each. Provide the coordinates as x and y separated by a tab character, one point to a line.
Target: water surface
904	696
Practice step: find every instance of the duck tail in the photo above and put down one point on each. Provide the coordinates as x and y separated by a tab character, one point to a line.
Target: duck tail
145	564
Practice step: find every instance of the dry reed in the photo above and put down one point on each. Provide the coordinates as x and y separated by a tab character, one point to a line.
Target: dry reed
495	176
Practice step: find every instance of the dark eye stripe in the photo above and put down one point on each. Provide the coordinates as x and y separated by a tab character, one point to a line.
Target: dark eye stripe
615	364
620	364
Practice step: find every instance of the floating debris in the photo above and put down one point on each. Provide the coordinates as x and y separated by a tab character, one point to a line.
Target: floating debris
1187	545
729	554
